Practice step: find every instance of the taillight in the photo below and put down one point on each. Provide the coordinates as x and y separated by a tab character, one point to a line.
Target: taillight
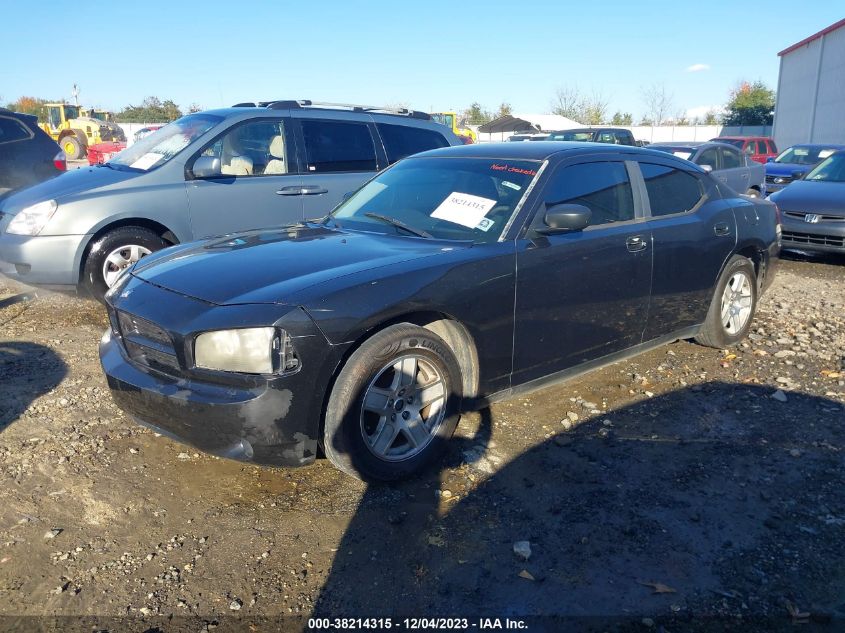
60	161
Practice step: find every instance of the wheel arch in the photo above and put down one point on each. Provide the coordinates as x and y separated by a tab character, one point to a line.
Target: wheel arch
156	227
456	335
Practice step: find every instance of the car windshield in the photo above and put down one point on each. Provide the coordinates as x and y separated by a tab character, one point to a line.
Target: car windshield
831	169
162	145
804	155
443	198
571	136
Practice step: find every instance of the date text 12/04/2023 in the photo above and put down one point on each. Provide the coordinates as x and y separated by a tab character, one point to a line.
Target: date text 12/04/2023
416	624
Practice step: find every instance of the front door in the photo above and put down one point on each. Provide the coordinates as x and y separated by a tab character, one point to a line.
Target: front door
585	294
257	173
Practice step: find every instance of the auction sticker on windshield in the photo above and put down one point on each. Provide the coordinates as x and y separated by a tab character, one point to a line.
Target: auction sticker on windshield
463	209
147	160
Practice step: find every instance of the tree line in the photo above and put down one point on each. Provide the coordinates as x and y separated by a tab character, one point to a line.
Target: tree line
151	109
749	103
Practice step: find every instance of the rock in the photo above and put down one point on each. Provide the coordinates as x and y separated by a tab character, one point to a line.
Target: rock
779	395
784	353
446	494
647	622
795	452
53	533
235	605
573	417
522	549
183	456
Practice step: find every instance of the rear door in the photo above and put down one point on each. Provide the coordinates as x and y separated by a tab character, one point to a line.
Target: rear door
693	232
338	156
733	169
582	295
257	161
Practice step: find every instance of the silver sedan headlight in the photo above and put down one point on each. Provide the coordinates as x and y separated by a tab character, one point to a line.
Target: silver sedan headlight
32	219
248	350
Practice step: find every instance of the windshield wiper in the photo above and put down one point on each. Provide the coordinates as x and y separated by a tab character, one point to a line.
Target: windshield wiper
399	224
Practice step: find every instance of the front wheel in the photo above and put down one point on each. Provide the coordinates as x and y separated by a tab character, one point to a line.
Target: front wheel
72	147
394	406
113	253
732	307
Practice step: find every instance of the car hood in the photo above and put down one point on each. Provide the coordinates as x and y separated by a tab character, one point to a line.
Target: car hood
811	197
272	266
65	185
785	169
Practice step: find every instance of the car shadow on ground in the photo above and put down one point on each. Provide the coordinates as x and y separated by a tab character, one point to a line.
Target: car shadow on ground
27	371
714	507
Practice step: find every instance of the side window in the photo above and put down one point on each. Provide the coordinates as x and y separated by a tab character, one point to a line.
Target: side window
332	146
772	148
257	148
762	148
624	138
750	148
710	156
670	190
12	130
602	187
402	140
606	137
730	158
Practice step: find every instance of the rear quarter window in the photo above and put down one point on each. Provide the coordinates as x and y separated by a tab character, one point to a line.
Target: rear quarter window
12	130
402	140
671	190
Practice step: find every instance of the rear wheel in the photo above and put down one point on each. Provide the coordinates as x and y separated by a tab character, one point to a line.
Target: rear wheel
72	147
732	307
394	406
113	253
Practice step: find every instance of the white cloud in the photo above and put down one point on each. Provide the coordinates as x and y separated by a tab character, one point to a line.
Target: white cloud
697	68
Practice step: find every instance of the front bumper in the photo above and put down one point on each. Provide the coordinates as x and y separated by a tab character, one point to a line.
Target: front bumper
271	420
819	237
40	260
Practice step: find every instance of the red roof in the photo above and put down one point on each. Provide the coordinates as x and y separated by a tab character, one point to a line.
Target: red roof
815	36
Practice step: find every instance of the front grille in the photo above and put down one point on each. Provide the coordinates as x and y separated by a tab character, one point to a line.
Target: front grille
816	240
823	217
147	343
784	180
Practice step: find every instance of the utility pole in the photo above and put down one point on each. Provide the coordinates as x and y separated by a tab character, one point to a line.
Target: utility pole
75	93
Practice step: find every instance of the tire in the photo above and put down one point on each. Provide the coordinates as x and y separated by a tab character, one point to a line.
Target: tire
753	193
114	251
732	307
392	438
71	146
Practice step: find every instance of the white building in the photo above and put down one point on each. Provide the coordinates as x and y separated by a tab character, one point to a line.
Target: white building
811	90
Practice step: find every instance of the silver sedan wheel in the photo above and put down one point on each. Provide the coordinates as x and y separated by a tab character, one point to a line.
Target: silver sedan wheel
403	408
120	259
736	303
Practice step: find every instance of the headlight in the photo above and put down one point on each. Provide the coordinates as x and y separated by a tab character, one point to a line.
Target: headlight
31	220
249	350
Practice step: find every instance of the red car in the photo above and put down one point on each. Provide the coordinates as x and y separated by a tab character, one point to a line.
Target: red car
758	148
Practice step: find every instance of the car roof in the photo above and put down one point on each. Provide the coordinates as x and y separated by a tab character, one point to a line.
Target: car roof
835	146
533	151
743	138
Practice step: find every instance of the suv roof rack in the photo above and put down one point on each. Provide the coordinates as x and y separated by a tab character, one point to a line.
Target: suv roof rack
287	104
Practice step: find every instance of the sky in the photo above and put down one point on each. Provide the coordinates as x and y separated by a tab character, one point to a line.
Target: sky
432	56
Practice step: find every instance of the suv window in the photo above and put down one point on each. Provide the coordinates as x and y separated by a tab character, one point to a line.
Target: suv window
402	140
709	157
332	146
606	137
602	187
624	138
730	158
772	148
256	148
12	130
670	190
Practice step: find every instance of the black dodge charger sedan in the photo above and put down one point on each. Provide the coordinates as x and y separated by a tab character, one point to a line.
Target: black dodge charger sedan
455	278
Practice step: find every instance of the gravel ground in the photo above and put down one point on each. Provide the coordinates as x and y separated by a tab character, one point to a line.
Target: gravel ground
688	488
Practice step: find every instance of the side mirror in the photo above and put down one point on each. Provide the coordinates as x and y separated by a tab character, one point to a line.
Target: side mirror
770	159
206	167
562	218
798	174
707	168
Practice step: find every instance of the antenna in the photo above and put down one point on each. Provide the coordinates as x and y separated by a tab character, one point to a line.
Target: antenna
75	93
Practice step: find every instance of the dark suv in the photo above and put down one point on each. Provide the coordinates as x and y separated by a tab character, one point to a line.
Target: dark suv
209	173
27	154
614	135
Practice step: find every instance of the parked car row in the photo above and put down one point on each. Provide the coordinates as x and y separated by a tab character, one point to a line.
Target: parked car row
726	162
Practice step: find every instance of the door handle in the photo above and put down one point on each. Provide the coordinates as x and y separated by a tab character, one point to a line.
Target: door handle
721	228
290	191
311	190
636	243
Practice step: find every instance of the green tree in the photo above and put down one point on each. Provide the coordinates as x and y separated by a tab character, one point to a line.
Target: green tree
152	109
195	107
750	104
504	110
622	118
477	115
711	117
28	105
